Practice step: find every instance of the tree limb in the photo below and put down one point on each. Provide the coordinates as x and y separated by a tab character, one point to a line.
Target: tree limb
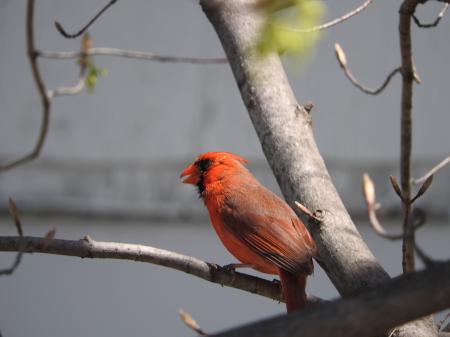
88	248
287	140
286	136
369	314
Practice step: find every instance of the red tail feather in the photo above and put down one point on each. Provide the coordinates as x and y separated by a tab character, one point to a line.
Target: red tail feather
294	293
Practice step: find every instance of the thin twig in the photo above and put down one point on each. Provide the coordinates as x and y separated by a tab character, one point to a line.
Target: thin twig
439	166
45	100
130	54
16	263
418	217
16	219
340	55
406	11
63	32
332	22
433	24
69	91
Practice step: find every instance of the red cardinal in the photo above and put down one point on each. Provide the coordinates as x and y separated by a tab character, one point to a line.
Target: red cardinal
254	224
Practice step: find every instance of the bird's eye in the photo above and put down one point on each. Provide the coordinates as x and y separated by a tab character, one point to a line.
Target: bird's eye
203	164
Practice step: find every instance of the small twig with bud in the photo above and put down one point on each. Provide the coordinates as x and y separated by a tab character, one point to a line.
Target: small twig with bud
316	216
370	199
342	59
423	188
191	323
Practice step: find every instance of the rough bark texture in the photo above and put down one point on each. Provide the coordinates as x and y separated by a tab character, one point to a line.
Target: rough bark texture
285	132
88	248
370	314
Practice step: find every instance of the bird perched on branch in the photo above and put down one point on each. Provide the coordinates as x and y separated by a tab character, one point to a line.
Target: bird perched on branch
255	225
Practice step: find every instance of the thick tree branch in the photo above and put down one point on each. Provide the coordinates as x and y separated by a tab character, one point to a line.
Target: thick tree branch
369	314
287	140
286	136
88	248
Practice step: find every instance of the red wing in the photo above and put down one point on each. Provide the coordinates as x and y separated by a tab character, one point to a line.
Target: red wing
273	232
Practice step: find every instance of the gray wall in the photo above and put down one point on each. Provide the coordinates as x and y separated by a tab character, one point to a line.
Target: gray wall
119	151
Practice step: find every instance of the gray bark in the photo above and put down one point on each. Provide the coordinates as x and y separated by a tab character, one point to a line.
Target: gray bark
88	248
370	314
286	135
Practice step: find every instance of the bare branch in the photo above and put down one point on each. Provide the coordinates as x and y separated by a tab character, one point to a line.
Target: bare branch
63	32
439	166
191	323
15	216
130	54
361	315
88	248
408	72
332	23
433	24
340	55
369	198
45	100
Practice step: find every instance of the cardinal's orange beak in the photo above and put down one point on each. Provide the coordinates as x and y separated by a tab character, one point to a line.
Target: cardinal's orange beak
191	174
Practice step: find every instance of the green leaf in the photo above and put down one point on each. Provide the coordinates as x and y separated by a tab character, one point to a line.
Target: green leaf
282	30
92	75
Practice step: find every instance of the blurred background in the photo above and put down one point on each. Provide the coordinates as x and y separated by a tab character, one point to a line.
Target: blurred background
111	161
